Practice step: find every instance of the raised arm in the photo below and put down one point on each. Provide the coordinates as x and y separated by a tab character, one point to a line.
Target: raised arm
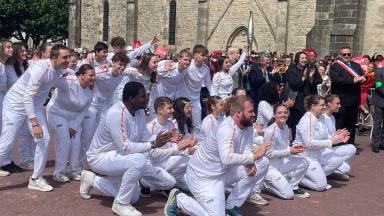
234	68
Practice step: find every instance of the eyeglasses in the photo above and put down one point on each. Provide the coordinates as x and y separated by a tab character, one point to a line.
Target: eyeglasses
346	54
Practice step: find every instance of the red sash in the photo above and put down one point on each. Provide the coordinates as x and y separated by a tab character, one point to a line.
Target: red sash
348	69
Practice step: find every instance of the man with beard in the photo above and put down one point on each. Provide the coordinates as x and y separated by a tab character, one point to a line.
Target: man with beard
117	152
225	158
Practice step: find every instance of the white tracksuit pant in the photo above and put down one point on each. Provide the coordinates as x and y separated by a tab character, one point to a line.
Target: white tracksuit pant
209	193
319	168
90	123
122	173
67	149
262	165
275	180
176	166
27	145
157	178
346	151
11	126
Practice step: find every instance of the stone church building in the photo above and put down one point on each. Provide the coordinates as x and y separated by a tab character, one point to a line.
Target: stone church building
282	25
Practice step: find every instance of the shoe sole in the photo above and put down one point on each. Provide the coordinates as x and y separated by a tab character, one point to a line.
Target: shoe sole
302	196
262	204
171	194
118	213
39	189
61	181
4	174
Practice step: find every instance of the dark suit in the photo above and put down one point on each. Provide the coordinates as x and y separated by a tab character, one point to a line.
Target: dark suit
378	115
255	80
304	89
349	92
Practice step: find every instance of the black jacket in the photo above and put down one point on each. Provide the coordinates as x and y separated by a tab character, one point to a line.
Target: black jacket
378	96
342	84
255	81
303	88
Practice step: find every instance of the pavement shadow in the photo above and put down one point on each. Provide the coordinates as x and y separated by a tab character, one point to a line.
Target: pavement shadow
16	186
337	183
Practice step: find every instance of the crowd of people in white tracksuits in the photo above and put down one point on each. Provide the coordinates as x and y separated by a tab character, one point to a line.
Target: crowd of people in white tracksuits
129	126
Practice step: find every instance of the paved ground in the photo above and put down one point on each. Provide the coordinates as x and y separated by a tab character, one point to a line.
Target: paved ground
361	195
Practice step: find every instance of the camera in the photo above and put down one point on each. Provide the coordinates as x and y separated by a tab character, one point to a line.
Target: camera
310	66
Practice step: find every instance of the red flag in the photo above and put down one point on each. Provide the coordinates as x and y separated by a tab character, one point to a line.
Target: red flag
136	44
162	52
360	60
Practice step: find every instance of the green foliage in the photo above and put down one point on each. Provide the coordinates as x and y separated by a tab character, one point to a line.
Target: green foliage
40	20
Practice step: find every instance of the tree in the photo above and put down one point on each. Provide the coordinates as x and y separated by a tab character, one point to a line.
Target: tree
39	20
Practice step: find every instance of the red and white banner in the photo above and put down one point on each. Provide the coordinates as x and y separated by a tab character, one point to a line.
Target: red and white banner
348	69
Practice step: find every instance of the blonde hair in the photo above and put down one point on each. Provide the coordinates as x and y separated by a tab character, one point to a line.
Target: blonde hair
232	50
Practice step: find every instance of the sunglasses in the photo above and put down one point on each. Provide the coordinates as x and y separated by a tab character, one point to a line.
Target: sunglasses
346	54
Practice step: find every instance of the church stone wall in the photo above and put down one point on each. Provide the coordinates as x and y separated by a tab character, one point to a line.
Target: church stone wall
282	25
91	22
301	19
374	27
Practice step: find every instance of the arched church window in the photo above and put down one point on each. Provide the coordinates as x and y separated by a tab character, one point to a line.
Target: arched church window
105	20
172	22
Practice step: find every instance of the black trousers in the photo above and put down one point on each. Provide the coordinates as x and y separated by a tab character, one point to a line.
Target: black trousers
347	118
378	128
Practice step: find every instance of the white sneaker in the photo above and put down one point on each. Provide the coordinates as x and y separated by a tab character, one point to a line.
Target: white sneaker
74	175
3	173
39	184
257	199
86	183
328	187
124	210
301	194
27	165
61	177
